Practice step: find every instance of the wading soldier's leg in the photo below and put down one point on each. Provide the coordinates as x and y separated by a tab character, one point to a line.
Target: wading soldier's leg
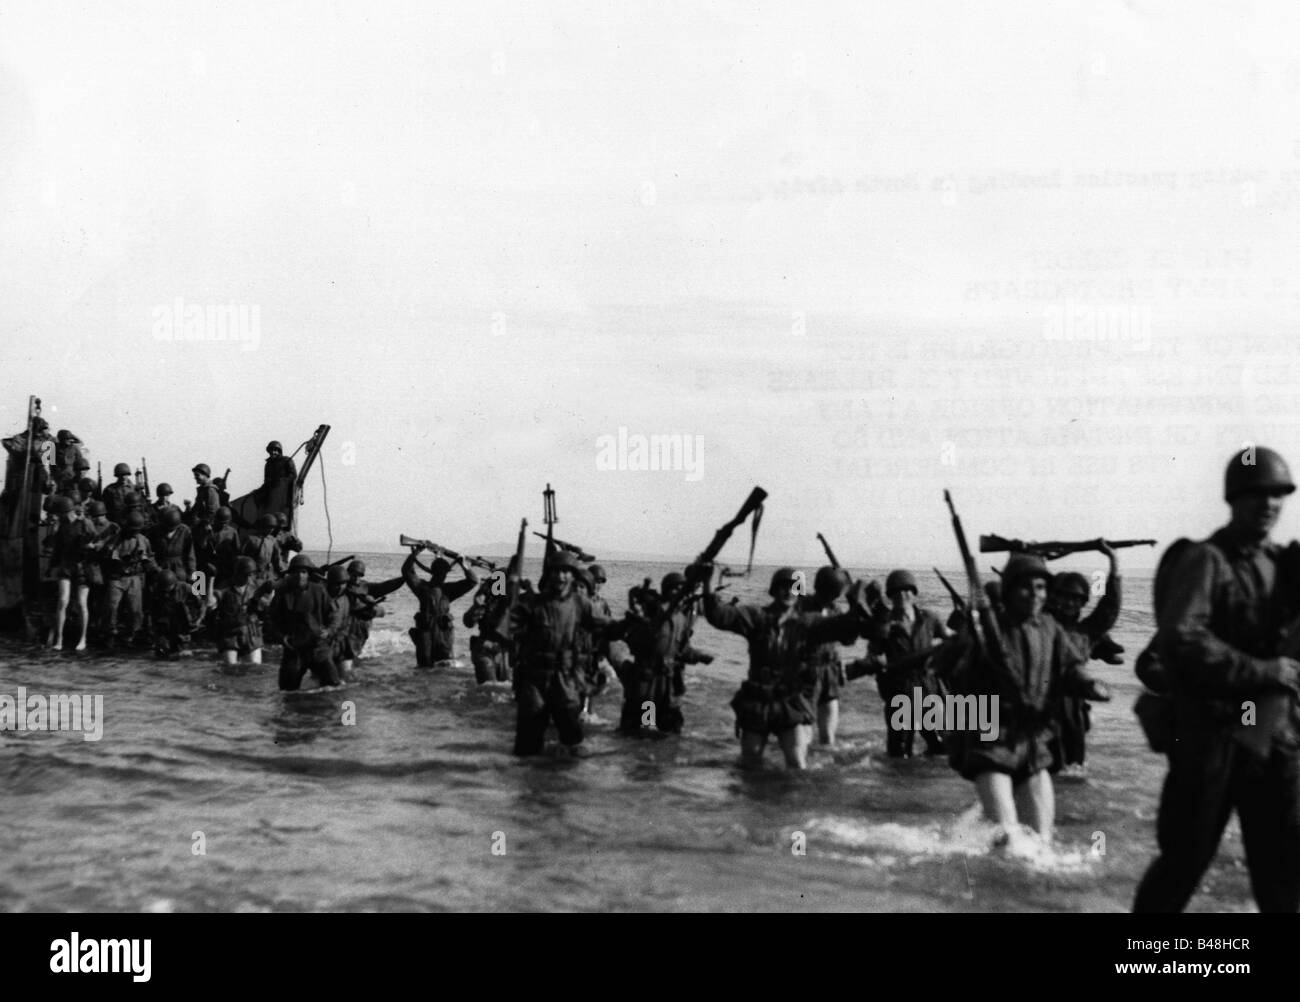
531	717
1194	808
292	668
794	745
1267	795
994	789
564	698
1035	800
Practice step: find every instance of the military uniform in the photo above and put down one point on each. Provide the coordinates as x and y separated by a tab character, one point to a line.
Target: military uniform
547	685
1218	639
592	650
659	642
781	690
1043	666
127	559
434	631
236	621
115	498
306	618
172	617
173	550
900	644
265	551
1076	713
490	648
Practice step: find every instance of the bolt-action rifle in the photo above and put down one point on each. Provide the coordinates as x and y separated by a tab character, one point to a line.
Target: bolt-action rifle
958	602
1054	549
983	622
830	554
442	551
703	564
573	548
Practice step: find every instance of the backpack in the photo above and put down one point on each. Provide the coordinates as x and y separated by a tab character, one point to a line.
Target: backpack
1155	706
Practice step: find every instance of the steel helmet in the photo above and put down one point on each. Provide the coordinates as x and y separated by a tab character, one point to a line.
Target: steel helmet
134	520
1072	581
358	568
171	518
266	522
597	573
96	508
274	447
301	562
61	505
337	574
164	489
245	565
1256	469
900	579
1024	565
784	577
121	470
165	579
221	516
829	581
671	582
564	561
203	469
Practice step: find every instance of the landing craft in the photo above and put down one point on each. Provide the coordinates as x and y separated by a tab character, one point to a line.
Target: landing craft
24	564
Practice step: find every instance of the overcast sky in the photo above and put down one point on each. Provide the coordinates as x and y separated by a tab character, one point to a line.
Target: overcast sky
1043	255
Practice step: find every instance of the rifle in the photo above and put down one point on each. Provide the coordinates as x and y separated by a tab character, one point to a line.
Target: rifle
99	478
752	504
516	571
452	555
957	601
144	465
830	554
1055	549
984	625
573	548
319	573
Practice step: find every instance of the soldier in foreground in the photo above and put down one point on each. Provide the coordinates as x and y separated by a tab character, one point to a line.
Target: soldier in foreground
1217	640
545	629
780	694
1041	666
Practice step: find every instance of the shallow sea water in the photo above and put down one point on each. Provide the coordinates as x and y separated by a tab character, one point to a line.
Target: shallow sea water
402	809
